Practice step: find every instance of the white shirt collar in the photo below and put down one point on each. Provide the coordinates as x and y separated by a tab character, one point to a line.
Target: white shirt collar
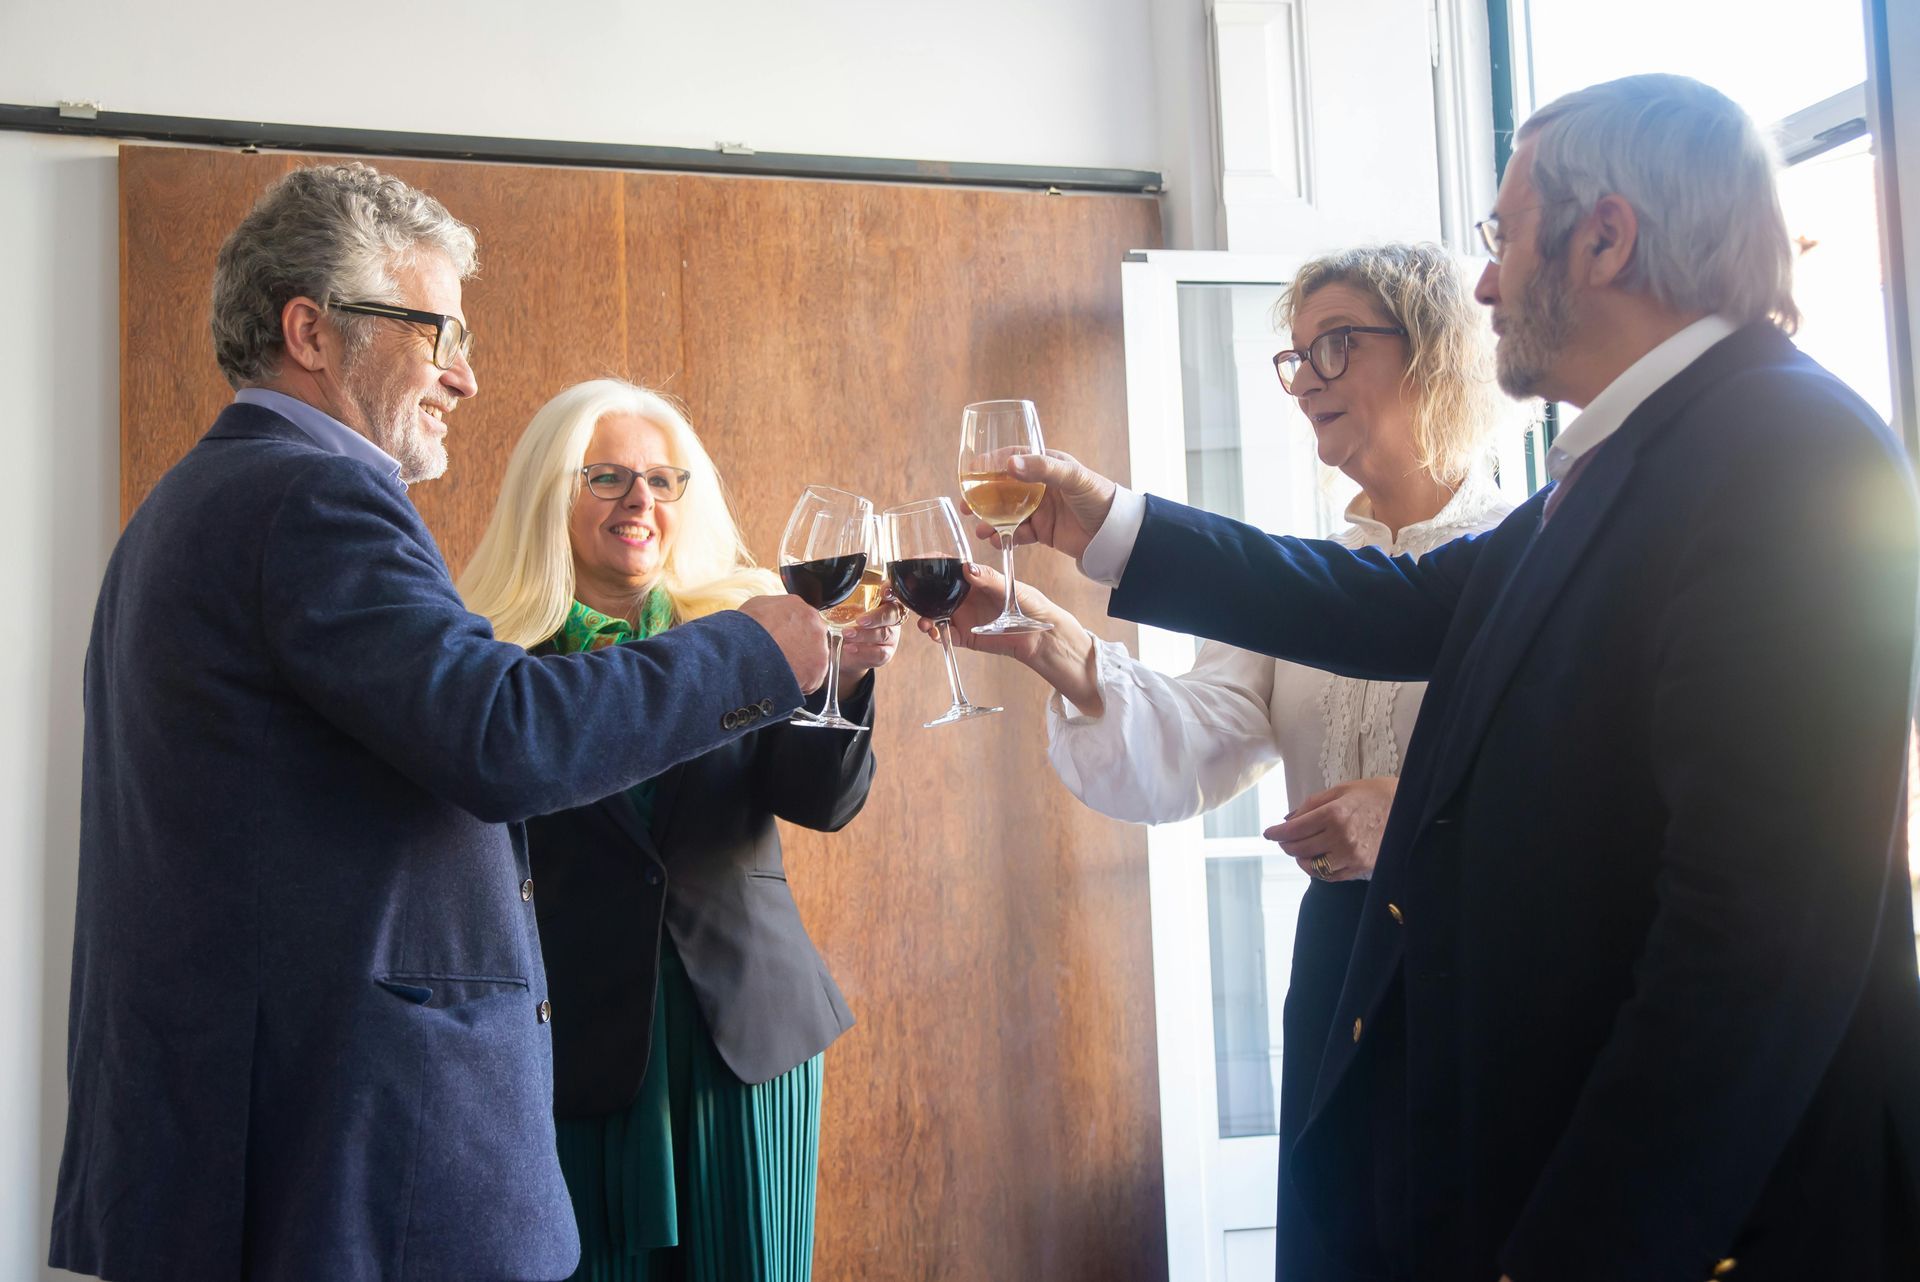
1625	394
324	430
1475	505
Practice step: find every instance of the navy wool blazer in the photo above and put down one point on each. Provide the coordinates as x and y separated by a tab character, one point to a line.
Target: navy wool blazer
1634	987
309	1030
706	870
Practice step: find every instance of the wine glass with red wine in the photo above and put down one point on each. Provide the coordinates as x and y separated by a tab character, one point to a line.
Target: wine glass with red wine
927	560
824	558
992	434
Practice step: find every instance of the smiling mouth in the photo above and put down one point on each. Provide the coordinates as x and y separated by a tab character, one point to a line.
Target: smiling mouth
1321	420
438	413
636	534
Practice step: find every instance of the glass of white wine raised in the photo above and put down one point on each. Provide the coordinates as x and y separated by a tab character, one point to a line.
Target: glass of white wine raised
992	435
829	549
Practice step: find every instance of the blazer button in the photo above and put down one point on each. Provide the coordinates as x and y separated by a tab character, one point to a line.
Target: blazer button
730	722
1393	911
526	891
653	876
766	707
544	1011
1725	1267
1356	1030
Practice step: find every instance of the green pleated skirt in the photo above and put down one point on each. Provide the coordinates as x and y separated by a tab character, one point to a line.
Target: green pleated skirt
704	1178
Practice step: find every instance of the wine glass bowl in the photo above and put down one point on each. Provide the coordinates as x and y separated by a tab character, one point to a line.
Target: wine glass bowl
927	567
830	540
992	435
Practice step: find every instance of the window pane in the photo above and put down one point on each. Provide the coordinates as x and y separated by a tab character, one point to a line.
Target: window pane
1773	57
1831	214
1249	455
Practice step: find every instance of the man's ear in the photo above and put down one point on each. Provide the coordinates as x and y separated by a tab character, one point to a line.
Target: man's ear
307	337
1614	230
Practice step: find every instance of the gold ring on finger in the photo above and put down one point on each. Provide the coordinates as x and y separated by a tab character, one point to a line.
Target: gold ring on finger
1321	867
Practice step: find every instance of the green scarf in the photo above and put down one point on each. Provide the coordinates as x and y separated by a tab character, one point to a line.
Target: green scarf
588	629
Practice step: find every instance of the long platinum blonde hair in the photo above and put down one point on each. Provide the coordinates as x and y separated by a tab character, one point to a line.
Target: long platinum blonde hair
1450	361
521	576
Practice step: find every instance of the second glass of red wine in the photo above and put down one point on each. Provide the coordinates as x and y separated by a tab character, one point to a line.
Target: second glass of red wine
823	557
927	566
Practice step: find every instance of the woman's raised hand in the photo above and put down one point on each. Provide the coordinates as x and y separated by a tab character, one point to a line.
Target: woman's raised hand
1064	657
869	643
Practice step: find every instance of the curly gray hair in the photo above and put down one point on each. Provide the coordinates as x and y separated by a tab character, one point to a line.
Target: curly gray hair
1699	176
332	233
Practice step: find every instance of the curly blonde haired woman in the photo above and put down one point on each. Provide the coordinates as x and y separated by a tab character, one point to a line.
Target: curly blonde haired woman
690	1007
1390	364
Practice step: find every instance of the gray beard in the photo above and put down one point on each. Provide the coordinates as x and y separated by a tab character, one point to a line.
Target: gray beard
1536	334
391	427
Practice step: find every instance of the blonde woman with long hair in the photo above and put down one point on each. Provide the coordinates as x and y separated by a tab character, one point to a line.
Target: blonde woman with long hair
1390	363
691	1009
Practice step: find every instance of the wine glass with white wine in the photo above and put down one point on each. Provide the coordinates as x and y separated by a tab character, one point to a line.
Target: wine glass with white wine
992	435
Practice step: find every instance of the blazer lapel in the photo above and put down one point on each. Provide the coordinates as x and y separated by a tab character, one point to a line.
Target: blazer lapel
1503	639
1508	631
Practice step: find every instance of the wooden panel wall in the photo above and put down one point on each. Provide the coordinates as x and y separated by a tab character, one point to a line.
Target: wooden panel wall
994	1114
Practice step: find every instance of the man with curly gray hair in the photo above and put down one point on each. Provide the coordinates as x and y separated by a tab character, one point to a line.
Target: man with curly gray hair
309	1033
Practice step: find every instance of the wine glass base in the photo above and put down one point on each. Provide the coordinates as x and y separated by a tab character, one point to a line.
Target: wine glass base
1006	625
814	721
960	712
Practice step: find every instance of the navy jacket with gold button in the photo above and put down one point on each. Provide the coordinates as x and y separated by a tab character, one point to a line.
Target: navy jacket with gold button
1634	990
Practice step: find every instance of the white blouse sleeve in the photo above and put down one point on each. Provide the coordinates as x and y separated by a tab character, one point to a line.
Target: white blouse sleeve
1166	747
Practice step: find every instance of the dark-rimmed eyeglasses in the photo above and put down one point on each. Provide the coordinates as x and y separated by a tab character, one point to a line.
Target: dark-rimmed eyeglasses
452	340
614	482
1325	355
1496	240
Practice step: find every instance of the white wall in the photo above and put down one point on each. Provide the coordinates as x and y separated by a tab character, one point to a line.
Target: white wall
1052	82
1062	82
59	486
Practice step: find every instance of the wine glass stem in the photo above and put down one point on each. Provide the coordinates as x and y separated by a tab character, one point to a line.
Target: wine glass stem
953	664
1010	609
831	710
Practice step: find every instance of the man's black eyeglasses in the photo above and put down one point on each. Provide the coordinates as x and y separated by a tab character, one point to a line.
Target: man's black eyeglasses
452	340
1326	355
611	481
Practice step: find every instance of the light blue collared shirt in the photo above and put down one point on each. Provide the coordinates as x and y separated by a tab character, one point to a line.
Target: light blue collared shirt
326	431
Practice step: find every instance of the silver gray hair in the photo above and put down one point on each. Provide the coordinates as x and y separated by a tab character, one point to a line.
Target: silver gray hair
332	233
1700	178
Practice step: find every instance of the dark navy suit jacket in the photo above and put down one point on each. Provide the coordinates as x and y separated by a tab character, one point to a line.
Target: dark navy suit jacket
1634	989
309	1033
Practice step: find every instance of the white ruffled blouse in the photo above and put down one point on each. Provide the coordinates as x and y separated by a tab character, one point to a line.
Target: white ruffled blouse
1169	748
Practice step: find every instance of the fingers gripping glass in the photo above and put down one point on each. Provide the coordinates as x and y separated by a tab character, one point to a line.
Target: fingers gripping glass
452	340
1325	355
614	482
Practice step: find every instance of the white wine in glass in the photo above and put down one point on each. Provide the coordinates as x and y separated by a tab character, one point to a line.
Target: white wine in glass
992	435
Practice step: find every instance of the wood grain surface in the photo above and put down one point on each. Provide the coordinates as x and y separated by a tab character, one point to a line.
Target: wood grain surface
994	1114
